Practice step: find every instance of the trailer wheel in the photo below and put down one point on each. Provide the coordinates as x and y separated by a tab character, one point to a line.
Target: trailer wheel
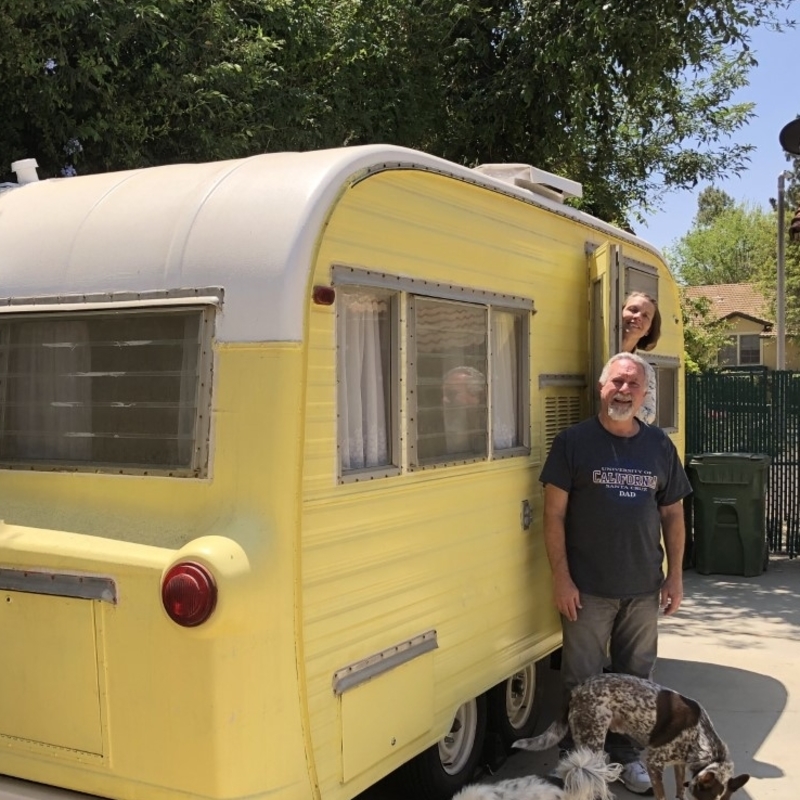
515	704
440	771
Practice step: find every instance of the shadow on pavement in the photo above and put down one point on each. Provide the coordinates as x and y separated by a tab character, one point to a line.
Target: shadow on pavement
743	706
738	612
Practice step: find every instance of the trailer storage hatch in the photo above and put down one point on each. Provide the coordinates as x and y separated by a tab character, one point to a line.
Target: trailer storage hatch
49	693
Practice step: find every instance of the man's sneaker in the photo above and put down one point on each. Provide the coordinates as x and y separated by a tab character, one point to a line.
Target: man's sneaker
635	778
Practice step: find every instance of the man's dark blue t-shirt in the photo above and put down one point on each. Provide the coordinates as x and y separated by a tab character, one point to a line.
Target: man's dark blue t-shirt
616	486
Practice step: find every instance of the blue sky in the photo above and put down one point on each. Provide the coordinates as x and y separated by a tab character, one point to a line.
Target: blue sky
775	89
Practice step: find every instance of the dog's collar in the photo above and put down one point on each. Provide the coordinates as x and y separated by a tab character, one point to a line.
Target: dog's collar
554	780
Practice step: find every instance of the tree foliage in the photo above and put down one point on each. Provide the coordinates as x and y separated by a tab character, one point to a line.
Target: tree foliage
712	202
107	84
703	334
626	97
728	243
733	242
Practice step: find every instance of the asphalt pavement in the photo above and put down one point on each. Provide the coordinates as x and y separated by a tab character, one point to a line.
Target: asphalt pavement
734	646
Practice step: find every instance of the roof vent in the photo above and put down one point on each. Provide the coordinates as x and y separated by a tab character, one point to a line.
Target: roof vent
25	170
535	180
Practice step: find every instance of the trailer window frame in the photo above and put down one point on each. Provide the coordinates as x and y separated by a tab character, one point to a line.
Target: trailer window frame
74	445
386	350
667	369
448	382
498	311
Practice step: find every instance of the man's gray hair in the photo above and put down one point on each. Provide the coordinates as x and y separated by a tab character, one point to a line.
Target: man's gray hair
638	360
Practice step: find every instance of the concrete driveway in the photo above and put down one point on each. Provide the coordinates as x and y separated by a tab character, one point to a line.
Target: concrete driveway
735	647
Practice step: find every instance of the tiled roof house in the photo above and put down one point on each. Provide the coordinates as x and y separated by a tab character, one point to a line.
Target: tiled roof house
753	340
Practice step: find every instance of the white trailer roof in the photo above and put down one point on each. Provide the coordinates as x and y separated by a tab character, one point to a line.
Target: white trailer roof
250	226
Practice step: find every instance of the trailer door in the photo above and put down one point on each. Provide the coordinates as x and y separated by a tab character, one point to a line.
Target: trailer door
604	310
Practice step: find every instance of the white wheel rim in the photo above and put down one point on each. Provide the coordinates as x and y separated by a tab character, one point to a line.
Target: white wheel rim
456	747
520	690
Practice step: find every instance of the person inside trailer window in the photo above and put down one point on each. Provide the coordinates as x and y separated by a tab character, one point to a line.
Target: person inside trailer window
464	405
641	330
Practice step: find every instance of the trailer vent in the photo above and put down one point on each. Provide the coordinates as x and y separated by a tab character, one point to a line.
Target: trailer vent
534	180
25	170
560	411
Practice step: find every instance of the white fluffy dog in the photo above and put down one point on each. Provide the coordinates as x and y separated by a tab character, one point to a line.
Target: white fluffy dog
585	775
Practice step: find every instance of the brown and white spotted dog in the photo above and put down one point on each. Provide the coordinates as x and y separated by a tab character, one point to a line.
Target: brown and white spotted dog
673	729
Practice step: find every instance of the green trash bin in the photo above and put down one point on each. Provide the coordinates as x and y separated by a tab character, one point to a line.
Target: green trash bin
729	512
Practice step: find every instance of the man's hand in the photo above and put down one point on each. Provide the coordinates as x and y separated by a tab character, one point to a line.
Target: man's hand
672	526
567	597
671	594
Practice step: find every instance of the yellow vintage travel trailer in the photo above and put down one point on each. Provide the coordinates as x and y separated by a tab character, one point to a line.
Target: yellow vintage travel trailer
270	439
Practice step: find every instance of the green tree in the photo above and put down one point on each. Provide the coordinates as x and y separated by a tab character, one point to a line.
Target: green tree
703	335
712	202
631	99
109	84
728	243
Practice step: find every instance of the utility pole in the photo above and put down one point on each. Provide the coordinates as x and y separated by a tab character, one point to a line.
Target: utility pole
780	299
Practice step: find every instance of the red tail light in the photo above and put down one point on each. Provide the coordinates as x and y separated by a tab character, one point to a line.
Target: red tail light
189	594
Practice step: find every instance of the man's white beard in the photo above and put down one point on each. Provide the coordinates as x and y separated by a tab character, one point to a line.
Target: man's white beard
620	413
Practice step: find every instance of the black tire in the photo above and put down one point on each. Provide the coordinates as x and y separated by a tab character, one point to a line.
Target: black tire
440	771
516	703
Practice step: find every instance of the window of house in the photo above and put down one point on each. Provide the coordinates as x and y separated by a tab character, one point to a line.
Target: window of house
750	349
741	349
729	353
117	390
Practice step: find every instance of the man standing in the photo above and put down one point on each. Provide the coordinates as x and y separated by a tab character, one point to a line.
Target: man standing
612	486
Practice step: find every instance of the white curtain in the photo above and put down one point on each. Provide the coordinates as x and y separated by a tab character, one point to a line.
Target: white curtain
505	377
363	409
50	411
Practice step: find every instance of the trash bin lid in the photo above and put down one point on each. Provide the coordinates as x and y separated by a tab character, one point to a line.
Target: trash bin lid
730	458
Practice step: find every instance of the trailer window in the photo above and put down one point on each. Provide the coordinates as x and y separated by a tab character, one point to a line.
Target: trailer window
426	380
116	391
509	405
667	397
450	345
364	332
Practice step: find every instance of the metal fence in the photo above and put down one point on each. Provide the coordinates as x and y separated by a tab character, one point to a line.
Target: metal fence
753	410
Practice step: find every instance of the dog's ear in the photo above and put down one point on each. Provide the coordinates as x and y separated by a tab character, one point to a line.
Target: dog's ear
736	783
707	777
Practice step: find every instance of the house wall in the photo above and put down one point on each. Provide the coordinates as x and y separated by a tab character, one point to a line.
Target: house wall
769	351
769	343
